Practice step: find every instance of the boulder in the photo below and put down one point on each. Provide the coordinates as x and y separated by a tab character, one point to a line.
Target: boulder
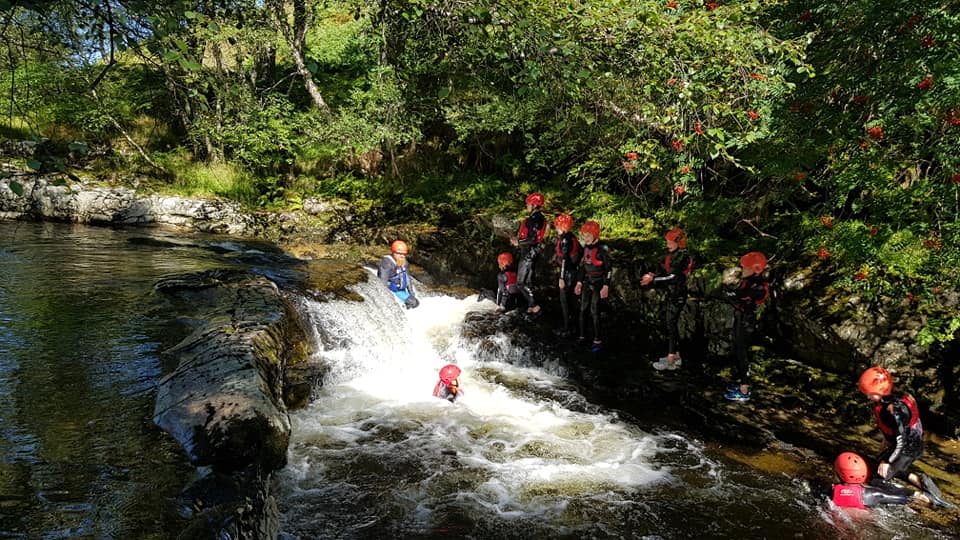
224	400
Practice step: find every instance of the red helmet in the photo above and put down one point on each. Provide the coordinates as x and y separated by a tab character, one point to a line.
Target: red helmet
592	228
504	259
755	260
563	222
535	199
851	468
678	236
399	246
876	380
449	373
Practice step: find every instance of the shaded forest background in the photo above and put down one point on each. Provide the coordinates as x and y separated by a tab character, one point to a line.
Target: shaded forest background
825	134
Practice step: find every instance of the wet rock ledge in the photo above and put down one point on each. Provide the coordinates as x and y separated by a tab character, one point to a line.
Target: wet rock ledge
224	401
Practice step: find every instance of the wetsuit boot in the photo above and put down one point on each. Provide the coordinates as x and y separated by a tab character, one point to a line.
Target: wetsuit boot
933	493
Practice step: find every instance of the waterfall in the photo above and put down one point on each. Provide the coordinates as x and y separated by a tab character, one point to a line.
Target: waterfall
506	450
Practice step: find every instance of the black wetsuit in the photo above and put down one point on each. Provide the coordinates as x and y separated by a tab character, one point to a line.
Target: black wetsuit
864	496
507	290
899	419
678	266
568	254
751	293
594	272
530	241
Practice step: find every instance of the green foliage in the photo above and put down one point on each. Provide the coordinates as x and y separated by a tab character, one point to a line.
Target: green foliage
938	331
827	132
190	178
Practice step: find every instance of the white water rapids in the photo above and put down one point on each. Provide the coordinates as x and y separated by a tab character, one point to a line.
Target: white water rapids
521	455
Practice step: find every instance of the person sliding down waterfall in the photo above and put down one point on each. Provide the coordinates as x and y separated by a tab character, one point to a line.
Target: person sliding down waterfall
394	272
448	387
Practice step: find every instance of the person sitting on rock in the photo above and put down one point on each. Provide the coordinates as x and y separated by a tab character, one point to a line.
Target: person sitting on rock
898	418
854	491
394	272
448	387
508	291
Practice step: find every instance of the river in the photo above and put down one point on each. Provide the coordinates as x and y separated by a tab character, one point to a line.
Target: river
523	454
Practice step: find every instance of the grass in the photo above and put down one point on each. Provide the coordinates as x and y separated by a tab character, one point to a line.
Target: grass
196	179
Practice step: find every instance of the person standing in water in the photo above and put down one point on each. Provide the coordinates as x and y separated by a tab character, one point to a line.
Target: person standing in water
448	387
898	418
508	292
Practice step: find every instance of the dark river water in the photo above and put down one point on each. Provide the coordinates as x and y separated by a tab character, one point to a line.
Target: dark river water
80	337
522	455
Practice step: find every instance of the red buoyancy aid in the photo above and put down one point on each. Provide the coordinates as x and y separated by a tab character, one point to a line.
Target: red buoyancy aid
574	249
525	228
511	278
593	265
766	292
686	271
848	496
911	404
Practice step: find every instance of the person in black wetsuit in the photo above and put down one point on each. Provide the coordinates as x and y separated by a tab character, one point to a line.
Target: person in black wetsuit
855	492
678	266
593	280
448	387
567	253
898	418
508	292
750	294
394	272
530	241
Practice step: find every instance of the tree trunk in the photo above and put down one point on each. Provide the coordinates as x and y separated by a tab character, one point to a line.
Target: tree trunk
295	36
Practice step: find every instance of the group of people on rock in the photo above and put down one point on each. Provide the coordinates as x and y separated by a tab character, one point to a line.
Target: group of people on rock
585	271
584	266
866	483
749	294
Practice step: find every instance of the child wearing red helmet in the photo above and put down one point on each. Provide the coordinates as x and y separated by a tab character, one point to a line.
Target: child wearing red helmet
593	280
898	418
394	272
530	240
508	292
750	294
854	492
448	387
567	256
678	266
